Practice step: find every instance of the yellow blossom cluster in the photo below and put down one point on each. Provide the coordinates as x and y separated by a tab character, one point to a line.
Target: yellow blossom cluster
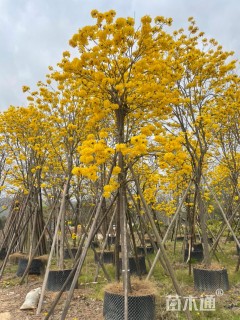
110	188
138	146
89	172
94	151
113	183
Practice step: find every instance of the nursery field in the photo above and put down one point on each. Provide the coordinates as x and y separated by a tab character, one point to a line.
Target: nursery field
131	141
87	302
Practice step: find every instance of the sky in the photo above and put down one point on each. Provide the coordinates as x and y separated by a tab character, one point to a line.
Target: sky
34	33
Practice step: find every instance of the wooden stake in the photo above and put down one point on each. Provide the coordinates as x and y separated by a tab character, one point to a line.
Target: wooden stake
105	244
223	213
160	244
36	248
16	234
84	252
168	229
39	308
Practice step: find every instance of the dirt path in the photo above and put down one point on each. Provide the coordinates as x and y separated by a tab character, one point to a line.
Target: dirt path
12	297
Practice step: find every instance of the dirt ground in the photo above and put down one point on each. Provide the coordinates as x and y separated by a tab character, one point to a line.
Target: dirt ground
12	297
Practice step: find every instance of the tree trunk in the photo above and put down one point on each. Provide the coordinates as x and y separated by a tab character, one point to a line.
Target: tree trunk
202	218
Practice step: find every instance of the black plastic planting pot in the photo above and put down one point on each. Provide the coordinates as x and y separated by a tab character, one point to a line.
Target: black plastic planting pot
179	238
111	240
139	307
196	253
197	247
108	257
133	265
210	240
238	250
56	279
149	250
67	254
210	280
37	267
95	244
3	253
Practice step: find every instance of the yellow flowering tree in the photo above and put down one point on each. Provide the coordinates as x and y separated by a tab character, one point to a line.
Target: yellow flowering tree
206	74
225	176
59	100
24	137
126	78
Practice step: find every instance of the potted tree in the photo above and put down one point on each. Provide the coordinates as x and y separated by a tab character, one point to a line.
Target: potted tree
198	117
141	301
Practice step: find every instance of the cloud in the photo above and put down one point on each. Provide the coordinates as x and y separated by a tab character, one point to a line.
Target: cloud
34	33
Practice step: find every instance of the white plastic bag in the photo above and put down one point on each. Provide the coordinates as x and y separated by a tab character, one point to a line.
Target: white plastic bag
31	300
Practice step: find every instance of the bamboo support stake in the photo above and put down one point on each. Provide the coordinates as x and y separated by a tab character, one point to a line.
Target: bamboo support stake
77	258
124	246
36	248
105	244
100	262
84	252
39	308
15	235
160	244
168	230
223	213
30	256
152	242
9	227
81	261
223	227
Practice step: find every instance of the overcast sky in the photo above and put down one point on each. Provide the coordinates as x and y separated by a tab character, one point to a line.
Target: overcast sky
34	33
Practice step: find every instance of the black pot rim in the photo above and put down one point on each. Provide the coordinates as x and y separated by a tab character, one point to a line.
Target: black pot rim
105	251
59	270
130	295
209	270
